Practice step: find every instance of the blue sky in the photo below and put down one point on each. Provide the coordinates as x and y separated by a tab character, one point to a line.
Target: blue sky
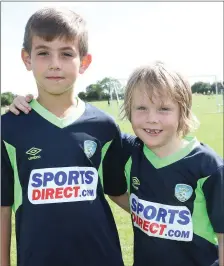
124	35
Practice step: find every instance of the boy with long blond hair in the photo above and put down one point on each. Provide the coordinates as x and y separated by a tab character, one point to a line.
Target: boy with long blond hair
176	183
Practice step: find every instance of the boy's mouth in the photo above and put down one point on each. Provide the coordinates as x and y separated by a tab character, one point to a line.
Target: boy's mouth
55	78
152	131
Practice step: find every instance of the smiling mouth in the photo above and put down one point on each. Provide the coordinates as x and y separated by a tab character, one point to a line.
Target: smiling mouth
153	131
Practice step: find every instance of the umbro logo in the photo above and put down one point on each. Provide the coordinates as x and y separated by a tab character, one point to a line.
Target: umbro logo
33	152
135	183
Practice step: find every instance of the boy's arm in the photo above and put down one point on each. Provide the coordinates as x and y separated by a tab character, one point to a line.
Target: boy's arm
7	199
220	261
122	201
20	103
114	180
213	190
221	249
114	169
5	235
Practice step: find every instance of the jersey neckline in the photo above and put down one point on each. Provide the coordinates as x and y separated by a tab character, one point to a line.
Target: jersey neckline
158	162
59	122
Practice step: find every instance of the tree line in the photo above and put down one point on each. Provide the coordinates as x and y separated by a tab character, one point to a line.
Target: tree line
111	88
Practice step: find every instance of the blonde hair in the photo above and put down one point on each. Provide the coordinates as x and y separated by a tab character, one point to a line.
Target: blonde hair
159	80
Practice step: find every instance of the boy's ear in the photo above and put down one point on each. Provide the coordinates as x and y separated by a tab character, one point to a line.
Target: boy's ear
26	59
86	61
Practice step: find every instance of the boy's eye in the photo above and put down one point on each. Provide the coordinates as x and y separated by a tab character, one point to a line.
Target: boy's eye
67	54
141	108
164	109
43	53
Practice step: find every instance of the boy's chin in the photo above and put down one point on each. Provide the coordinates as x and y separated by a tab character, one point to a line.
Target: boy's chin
150	140
153	145
57	91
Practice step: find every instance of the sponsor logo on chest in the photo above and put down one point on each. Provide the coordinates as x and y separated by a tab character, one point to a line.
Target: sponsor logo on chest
64	184
160	220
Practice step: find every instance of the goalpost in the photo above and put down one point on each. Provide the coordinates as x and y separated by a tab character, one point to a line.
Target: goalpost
117	91
115	100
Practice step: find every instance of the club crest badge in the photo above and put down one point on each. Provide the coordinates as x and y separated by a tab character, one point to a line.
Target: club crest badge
89	148
183	192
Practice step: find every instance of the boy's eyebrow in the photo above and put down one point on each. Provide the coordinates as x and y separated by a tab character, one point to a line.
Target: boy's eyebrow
67	48
61	49
41	47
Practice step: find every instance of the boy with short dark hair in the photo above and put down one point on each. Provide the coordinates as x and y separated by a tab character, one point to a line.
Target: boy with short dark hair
56	170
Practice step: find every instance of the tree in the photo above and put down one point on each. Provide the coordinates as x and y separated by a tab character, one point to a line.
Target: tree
82	95
201	87
92	96
7	98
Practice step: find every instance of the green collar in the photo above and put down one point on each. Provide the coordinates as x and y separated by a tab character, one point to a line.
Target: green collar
158	162
59	122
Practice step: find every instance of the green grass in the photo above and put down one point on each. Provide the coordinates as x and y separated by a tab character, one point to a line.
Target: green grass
210	132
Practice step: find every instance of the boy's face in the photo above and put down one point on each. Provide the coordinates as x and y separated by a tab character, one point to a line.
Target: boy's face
56	64
155	124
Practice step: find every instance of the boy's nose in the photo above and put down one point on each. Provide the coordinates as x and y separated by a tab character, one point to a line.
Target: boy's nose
54	63
152	117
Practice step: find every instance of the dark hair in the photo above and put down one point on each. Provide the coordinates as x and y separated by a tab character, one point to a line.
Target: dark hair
51	23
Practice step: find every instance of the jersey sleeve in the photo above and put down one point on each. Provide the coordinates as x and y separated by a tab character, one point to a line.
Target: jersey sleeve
213	189
7	179
114	180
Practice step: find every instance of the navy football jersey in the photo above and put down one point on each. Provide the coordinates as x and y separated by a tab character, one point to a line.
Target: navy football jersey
55	173
176	203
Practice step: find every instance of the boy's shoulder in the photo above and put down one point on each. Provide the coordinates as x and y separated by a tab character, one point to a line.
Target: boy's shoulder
97	114
13	126
131	144
208	160
10	121
208	153
131	140
100	122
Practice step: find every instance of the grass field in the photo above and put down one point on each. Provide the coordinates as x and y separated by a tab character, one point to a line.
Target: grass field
210	132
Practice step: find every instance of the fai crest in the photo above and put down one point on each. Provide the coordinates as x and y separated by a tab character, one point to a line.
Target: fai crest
183	192
89	148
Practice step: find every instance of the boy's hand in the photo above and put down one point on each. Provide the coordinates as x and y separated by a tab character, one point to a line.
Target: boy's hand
20	103
122	201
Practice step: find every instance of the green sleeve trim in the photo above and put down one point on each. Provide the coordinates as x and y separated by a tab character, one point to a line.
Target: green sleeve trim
17	186
128	173
103	153
201	222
